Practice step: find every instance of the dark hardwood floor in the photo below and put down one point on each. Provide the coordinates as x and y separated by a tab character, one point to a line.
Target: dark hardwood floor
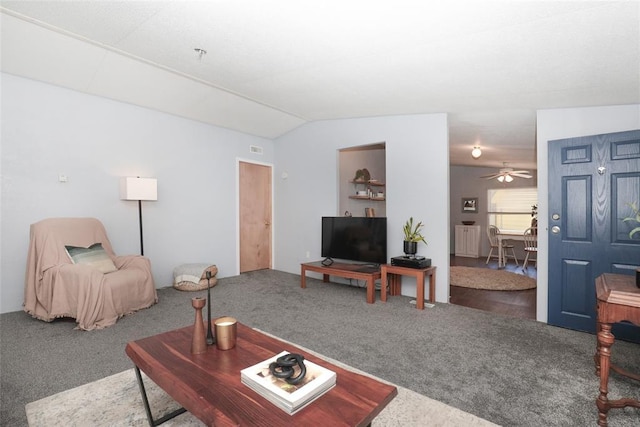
513	303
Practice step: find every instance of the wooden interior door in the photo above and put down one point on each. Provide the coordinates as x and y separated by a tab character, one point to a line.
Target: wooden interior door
255	216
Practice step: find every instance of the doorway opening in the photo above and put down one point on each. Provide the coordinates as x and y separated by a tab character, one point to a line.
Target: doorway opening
511	303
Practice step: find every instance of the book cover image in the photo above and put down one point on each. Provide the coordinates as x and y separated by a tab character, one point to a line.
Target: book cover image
289	388
316	382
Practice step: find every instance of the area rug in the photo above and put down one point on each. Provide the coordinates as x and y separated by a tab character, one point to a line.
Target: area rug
486	278
116	401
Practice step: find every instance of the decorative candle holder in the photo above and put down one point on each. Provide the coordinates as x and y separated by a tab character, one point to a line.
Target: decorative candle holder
226	332
210	337
198	343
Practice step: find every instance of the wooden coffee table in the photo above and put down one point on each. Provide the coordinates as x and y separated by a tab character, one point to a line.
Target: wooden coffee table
208	385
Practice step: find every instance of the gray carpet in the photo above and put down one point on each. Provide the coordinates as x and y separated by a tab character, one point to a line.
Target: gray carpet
509	371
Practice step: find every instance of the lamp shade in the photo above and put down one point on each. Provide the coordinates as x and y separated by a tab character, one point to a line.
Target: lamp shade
136	188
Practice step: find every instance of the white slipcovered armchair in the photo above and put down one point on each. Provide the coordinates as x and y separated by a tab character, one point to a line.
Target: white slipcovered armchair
72	271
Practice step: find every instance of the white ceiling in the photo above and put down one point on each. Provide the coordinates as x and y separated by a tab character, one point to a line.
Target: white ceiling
274	65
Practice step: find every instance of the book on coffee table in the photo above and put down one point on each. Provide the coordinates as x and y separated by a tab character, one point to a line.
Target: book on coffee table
290	398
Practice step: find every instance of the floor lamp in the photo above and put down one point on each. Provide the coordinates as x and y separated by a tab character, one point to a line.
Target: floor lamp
136	188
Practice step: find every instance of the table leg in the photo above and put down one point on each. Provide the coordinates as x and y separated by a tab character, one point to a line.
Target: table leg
605	341
396	284
147	408
420	290
371	290
384	282
596	356
303	277
432	287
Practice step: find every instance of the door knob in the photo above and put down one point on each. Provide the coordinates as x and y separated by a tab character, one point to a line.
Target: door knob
555	229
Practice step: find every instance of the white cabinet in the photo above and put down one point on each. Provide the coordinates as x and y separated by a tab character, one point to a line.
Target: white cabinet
468	240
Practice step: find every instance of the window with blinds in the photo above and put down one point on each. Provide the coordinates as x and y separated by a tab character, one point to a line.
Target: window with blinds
509	209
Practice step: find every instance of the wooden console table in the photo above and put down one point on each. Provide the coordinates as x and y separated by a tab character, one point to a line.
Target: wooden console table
396	273
618	299
348	271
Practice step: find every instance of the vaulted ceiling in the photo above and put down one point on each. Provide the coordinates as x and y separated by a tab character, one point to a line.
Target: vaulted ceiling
271	66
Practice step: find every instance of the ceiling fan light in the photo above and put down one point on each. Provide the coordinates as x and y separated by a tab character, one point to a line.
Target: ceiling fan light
476	152
508	178
501	178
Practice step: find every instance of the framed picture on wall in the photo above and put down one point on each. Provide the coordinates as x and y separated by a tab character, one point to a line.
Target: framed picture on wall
469	205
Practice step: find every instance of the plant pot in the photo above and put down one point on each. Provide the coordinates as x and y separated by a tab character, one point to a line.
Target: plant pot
410	248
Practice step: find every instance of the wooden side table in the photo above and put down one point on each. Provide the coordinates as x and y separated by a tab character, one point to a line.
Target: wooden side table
395	274
618	299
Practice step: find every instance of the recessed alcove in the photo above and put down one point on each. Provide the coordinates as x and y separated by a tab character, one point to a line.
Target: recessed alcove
373	158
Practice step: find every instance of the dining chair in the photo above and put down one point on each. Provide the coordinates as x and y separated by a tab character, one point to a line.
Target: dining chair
494	242
530	245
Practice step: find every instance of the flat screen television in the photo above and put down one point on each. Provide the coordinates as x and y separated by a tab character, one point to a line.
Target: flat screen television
361	239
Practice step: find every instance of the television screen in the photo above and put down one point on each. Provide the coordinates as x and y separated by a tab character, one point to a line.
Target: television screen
359	239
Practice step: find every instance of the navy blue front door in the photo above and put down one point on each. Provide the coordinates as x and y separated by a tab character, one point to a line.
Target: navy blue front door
592	181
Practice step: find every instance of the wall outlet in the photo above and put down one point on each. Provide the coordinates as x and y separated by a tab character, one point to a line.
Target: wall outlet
308	255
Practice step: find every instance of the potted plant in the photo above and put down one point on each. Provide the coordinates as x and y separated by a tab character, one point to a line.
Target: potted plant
534	215
412	235
634	218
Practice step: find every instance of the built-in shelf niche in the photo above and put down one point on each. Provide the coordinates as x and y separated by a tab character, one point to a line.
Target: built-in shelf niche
373	158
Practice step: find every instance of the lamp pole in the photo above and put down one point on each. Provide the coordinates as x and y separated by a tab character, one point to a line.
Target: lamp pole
140	219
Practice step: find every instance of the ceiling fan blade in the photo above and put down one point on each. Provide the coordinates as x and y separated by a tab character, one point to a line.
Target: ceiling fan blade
524	172
521	175
490	176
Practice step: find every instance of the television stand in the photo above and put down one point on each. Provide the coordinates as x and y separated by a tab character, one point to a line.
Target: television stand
345	270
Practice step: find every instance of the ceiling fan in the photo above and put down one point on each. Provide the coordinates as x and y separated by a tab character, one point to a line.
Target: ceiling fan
507	174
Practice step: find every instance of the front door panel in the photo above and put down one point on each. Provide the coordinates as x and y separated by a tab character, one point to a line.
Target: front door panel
592	180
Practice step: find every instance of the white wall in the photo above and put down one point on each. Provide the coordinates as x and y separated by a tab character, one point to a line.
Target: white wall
417	184
47	130
568	123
